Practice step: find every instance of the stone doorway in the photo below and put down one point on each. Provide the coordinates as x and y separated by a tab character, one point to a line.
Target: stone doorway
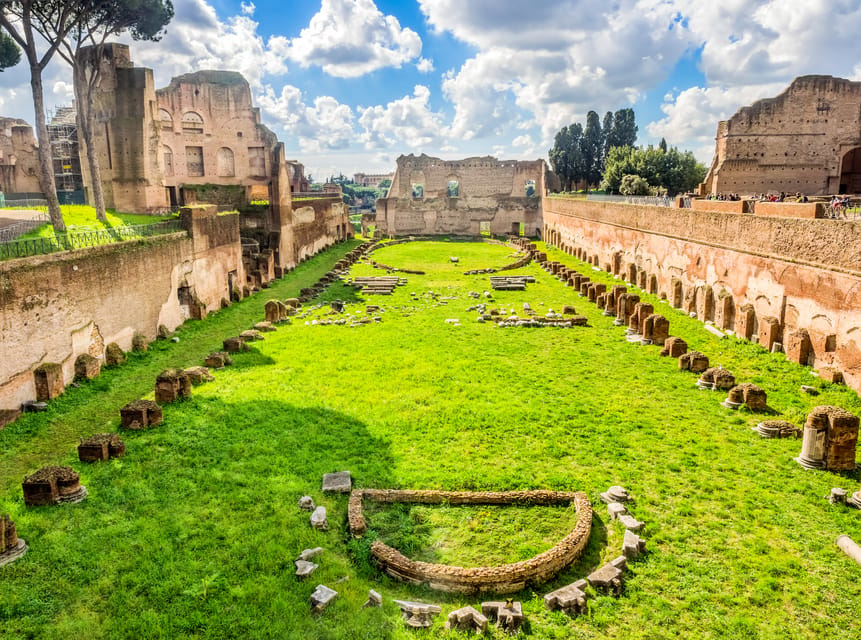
850	172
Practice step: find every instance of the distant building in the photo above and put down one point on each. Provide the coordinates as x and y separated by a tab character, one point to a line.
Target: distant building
65	156
464	197
371	179
19	160
807	139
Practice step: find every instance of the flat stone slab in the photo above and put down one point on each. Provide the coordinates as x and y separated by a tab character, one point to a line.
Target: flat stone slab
631	523
615	494
321	598
304	568
310	554
374	599
467	619
571	598
714	331
609	577
318	519
616	509
11	555
339	482
418	614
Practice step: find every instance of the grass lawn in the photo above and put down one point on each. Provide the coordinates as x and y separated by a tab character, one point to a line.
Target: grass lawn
83	217
193	533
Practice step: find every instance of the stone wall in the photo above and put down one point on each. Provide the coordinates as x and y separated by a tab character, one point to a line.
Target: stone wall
56	307
430	196
318	223
19	159
804	140
508	578
738	270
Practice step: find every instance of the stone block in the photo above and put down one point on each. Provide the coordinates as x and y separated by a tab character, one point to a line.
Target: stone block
49	381
8	416
218	360
198	375
508	615
568	310
615	494
251	335
467	619
745	320
674	347
114	355
235	345
633	545
172	385
830	436
609	577
418	615
305	568
571	598
306	503
272	309
769	332
339	482
631	523
140	414
322	597
693	361
11	546
139	342
616	509
831	375
101	446
318	519
264	327
309	554
374	599
725	311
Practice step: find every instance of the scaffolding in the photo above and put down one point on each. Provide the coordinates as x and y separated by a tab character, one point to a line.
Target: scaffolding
63	134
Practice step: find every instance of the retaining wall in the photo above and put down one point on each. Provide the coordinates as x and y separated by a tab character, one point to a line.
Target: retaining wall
735	269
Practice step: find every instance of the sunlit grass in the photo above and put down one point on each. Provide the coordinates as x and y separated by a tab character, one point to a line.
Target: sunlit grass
83	218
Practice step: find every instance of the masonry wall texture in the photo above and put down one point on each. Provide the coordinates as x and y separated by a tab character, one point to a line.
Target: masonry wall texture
54	308
738	270
433	196
807	139
19	161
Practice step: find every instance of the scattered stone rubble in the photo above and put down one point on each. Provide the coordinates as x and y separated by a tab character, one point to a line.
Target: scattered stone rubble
418	614
746	394
322	597
172	385
508	615
318	519
716	379
339	482
467	619
140	414
777	429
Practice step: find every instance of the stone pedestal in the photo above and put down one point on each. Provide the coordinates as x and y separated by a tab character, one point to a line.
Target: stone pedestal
140	414
235	345
830	439
101	446
11	546
508	615
674	347
53	485
87	367
114	355
49	381
417	614
172	385
571	598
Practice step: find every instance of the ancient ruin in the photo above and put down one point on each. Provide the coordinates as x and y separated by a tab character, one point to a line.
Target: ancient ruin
807	139
830	437
11	546
53	485
19	163
507	578
101	446
463	197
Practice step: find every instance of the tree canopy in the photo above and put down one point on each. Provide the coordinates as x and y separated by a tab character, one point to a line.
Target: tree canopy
579	154
671	171
10	54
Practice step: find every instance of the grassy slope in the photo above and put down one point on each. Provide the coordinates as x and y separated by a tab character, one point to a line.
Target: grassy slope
193	533
83	217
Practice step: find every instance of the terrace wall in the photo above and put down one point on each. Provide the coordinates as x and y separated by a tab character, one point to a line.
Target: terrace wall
806	273
55	307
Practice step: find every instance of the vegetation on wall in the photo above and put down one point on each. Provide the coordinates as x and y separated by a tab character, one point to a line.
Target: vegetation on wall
659	169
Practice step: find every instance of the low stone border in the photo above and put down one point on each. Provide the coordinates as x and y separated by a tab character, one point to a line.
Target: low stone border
507	578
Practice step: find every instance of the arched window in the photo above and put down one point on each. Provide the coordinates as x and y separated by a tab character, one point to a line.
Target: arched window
453	189
165	118
192	122
225	163
168	160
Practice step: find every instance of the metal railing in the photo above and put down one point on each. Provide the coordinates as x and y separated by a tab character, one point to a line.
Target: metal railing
11	232
71	240
26	203
655	201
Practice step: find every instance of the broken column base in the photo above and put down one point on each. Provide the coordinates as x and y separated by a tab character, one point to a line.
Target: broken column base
854	500
810	463
11	555
571	599
467	619
418	614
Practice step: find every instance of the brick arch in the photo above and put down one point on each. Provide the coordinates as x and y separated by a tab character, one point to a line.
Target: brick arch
850	171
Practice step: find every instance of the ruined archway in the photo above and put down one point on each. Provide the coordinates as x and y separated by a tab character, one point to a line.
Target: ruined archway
850	172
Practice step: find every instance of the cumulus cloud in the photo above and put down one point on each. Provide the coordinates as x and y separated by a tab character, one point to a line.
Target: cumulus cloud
197	39
324	125
247	8
349	38
424	65
406	123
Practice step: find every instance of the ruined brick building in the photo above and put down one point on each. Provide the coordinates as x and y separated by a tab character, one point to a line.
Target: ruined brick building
807	139
19	162
466	197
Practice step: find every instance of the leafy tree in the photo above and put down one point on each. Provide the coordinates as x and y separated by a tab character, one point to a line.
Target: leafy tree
97	21
634	186
23	21
662	145
566	156
607	131
673	171
10	54
624	131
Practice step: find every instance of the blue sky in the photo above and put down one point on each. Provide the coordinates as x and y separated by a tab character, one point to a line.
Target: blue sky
349	85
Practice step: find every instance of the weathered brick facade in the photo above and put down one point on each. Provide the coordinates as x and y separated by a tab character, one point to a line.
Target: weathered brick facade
807	139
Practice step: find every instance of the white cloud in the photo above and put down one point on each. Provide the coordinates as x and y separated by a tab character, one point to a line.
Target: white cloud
247	8
424	65
692	116
407	123
349	38
196	39
327	124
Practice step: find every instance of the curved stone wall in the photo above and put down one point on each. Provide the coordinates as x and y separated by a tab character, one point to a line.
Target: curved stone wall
507	578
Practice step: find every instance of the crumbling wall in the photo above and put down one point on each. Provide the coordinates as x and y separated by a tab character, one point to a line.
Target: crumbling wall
463	197
794	143
806	273
19	159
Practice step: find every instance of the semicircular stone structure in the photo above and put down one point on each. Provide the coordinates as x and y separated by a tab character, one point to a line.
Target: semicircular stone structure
506	578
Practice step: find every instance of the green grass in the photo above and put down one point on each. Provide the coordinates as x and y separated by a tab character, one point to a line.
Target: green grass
193	533
83	217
